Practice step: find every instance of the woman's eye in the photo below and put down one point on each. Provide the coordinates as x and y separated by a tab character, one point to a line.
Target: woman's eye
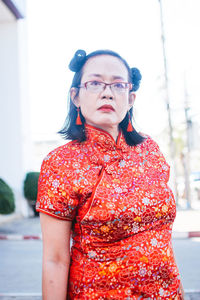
119	85
95	83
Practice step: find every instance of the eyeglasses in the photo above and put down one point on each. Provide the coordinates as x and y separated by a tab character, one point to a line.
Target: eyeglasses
99	86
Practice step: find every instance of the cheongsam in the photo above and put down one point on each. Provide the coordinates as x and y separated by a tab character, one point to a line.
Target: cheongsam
122	211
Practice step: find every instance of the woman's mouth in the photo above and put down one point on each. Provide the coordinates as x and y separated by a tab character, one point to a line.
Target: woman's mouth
106	108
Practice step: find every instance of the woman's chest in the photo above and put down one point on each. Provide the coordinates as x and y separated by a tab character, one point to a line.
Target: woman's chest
124	197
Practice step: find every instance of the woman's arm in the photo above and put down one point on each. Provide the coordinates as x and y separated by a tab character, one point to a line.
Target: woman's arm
56	257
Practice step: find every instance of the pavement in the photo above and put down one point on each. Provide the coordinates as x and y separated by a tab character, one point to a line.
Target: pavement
16	228
187	224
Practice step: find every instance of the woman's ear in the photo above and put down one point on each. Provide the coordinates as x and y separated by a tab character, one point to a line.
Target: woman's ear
74	96
132	97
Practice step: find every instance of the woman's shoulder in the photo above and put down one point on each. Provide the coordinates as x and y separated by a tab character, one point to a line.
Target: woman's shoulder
148	140
63	153
151	148
150	145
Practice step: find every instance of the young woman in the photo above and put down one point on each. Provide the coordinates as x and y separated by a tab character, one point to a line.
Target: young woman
108	190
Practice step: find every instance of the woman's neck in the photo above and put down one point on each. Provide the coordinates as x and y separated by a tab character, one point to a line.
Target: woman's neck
112	130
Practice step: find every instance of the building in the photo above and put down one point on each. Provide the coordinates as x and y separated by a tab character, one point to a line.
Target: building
16	149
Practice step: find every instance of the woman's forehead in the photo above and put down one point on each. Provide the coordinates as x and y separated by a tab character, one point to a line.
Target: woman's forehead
105	65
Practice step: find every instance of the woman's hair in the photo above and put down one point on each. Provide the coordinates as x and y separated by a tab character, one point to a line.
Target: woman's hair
77	132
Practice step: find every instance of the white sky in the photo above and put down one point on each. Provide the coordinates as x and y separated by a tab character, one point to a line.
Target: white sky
56	29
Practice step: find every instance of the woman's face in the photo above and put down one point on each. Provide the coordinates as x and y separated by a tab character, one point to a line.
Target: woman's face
108	69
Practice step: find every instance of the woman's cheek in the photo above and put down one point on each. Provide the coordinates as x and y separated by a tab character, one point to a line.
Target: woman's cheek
122	112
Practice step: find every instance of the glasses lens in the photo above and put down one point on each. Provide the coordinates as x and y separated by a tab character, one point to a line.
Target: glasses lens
119	87
95	86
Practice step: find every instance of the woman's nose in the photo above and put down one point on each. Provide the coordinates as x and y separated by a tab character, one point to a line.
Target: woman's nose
107	93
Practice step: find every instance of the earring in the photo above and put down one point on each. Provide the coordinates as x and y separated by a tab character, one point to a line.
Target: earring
130	126
78	119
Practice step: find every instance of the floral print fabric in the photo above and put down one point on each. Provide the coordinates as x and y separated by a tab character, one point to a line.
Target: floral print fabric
122	211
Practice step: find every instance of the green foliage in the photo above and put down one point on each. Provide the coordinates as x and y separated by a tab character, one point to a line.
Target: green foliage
7	200
31	186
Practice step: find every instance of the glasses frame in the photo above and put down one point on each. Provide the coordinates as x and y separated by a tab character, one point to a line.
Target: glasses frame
129	85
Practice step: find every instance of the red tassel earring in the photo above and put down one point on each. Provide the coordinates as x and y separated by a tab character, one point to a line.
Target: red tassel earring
130	126
78	119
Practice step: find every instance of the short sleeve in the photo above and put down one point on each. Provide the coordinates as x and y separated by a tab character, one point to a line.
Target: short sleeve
55	197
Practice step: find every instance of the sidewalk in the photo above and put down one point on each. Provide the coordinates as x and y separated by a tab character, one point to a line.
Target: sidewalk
9	218
186	224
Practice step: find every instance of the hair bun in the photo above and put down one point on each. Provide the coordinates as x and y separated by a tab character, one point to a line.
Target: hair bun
77	61
135	77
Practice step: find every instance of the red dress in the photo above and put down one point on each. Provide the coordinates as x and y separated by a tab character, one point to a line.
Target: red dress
122	211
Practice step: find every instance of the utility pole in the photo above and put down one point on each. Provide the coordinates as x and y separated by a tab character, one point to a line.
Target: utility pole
171	140
188	147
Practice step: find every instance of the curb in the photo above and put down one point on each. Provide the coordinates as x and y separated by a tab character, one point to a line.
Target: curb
185	235
20	237
20	294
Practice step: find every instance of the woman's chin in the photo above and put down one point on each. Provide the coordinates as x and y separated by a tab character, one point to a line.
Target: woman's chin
104	122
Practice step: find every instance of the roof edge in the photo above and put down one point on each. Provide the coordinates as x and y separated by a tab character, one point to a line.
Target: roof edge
13	8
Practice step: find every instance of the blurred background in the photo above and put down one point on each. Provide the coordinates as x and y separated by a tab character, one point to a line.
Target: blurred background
38	40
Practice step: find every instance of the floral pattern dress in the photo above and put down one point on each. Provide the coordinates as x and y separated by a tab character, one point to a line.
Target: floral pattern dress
122	211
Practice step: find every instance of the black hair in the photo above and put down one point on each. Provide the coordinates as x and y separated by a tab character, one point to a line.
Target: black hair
77	132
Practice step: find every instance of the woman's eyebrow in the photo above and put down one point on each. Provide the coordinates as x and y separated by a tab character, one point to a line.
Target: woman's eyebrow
113	77
118	77
96	75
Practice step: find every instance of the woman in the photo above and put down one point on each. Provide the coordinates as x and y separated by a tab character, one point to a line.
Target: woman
108	188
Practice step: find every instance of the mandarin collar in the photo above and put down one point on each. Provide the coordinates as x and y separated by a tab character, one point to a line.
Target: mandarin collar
104	140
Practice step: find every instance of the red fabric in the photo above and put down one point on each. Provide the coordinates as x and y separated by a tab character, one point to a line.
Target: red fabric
122	211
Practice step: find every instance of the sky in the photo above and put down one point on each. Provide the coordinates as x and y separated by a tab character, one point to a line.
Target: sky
56	29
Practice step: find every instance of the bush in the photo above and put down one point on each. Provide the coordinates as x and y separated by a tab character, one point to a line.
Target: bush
7	199
31	188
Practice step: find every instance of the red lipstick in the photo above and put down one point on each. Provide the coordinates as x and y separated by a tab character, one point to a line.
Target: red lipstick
106	107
